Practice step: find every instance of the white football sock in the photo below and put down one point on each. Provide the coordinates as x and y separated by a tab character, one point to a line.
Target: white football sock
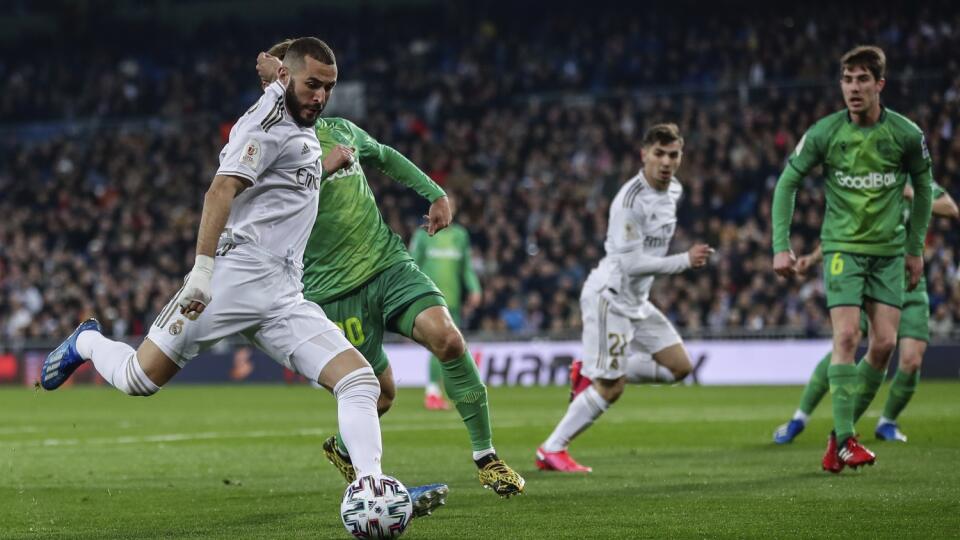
884	420
581	413
116	362
357	394
647	371
801	416
433	389
477	454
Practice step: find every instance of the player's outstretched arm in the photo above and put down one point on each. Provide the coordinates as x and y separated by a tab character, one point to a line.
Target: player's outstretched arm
637	263
945	206
195	295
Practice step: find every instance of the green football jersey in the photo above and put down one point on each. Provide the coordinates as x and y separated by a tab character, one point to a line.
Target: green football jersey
445	258
350	243
864	170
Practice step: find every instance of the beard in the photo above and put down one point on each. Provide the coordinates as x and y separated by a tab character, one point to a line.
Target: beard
297	108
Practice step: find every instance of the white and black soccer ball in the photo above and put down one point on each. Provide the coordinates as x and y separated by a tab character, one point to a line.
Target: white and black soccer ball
376	506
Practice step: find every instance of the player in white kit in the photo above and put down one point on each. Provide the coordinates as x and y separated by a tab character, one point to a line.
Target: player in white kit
621	328
257	215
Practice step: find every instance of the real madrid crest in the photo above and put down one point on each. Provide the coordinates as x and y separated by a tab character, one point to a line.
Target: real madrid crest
176	327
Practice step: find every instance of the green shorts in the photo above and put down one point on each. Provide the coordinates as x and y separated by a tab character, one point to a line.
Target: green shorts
914	317
851	279
390	301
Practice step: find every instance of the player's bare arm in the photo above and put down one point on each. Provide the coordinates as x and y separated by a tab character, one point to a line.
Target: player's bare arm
945	206
196	294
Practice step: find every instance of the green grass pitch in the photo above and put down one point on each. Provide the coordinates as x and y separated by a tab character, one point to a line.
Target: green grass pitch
669	462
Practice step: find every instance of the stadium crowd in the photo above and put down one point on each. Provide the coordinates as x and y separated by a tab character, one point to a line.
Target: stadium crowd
532	130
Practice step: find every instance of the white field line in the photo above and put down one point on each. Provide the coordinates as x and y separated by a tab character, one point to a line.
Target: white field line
326	431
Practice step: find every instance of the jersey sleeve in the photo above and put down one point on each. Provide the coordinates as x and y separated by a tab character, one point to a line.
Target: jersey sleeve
254	144
809	152
627	237
916	156
395	165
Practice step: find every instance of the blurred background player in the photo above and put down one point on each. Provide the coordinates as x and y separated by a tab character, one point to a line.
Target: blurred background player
363	277
868	153
446	258
913	336
620	324
263	200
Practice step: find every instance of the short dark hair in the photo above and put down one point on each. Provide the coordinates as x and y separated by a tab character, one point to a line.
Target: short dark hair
300	48
661	133
869	57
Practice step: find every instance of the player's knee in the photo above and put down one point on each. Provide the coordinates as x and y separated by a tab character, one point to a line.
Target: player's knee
910	363
680	372
449	345
848	338
360	384
882	346
131	379
610	391
385	401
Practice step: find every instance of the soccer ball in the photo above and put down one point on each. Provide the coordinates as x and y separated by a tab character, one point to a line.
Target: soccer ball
376	506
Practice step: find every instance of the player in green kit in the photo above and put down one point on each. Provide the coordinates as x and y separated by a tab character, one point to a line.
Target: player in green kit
360	273
913	336
445	259
867	153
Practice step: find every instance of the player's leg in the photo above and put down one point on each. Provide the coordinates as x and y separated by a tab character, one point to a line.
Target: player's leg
138	372
676	360
606	336
433	398
334	447
902	388
813	392
641	368
884	290
844	279
881	342
914	333
301	338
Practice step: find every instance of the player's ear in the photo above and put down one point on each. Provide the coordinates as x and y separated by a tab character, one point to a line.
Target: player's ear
283	75
880	84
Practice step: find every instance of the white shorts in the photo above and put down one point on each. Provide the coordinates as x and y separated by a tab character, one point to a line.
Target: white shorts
610	337
259	296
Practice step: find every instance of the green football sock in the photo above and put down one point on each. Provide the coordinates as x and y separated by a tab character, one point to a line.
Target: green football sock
901	390
844	383
436	372
870	380
816	387
461	379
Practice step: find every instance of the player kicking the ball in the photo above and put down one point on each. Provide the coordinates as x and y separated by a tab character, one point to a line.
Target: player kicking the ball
261	208
621	328
361	274
867	152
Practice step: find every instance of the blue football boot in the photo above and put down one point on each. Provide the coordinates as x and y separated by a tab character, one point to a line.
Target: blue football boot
428	498
788	432
65	359
890	431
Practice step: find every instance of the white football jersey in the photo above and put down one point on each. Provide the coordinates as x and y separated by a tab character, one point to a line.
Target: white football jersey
281	161
642	222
